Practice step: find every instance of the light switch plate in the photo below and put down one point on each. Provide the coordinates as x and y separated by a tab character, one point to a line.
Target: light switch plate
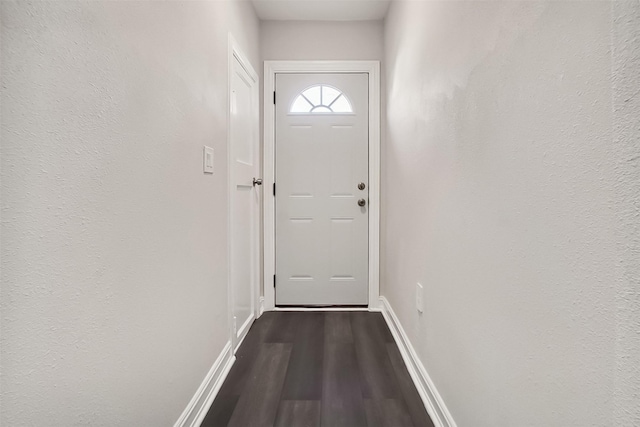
419	297
208	160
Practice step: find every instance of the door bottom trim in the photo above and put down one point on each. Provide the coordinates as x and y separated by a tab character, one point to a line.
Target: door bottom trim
320	308
345	306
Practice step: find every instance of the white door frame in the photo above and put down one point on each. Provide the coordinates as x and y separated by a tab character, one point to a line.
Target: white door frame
235	53
271	68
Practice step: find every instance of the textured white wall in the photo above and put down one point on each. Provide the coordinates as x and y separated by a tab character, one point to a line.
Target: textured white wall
511	194
114	247
626	113
313	40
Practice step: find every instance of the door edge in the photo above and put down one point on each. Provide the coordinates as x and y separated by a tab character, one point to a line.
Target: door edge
235	52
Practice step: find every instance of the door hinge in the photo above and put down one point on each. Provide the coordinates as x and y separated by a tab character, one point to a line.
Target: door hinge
274	188
274	97
274	280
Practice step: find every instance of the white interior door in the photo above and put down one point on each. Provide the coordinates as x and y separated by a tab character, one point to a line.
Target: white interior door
321	175
245	199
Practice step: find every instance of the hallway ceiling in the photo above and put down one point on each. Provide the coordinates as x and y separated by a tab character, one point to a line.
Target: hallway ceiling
321	10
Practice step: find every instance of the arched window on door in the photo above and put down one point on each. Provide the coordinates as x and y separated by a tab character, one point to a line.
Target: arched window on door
321	99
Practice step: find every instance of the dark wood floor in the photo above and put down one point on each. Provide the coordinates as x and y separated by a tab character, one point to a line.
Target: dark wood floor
333	369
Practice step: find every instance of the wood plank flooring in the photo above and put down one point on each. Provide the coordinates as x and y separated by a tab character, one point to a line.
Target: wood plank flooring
318	369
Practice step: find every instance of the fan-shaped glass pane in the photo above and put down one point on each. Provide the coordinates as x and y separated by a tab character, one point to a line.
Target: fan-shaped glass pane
329	95
313	95
341	105
301	105
321	109
321	99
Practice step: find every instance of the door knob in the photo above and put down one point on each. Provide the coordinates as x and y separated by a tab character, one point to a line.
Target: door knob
362	202
361	186
257	181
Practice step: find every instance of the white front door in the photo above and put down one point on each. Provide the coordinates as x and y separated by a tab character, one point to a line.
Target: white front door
245	199
322	188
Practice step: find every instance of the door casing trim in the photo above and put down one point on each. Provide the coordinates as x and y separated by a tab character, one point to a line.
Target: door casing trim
271	68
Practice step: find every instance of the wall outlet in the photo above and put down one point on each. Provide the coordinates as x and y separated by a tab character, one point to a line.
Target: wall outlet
419	297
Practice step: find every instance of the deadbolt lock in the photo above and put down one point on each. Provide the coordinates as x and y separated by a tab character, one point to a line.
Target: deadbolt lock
362	202
361	186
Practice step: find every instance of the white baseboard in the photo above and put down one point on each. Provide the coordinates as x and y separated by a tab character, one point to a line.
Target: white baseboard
260	306
432	400
199	405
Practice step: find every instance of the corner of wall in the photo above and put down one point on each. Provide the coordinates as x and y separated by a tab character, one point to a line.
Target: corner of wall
431	398
201	401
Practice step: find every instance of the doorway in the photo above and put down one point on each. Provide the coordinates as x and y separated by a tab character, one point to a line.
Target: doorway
322	133
322	189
